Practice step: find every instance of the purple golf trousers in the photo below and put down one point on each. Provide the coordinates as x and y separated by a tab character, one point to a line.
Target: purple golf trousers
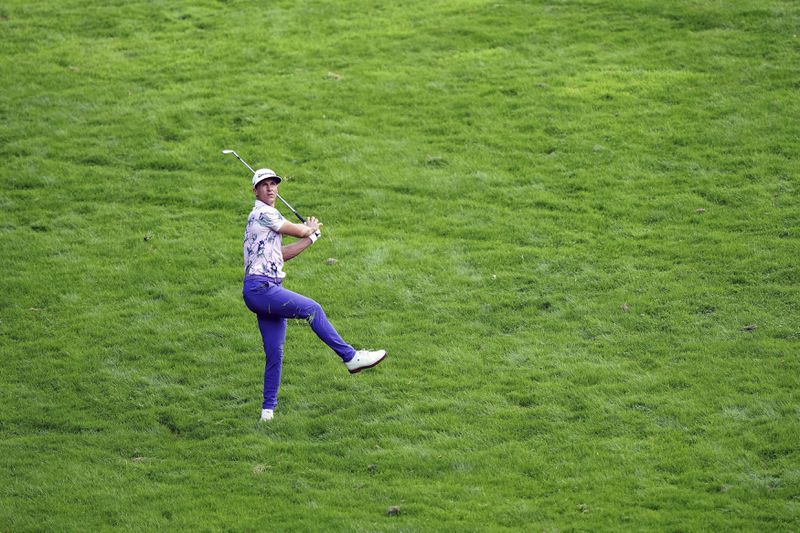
273	305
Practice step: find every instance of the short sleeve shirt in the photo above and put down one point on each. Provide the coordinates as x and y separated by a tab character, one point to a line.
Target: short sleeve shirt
263	255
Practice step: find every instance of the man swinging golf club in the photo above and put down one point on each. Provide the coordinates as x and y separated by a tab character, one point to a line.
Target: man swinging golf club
264	255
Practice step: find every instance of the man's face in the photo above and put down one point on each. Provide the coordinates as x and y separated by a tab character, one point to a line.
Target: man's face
266	191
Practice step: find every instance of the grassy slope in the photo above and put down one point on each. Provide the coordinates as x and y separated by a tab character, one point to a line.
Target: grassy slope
497	180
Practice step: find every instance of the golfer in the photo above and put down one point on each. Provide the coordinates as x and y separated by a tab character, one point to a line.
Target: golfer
264	295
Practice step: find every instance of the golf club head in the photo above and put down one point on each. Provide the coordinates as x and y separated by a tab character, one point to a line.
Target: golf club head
239	158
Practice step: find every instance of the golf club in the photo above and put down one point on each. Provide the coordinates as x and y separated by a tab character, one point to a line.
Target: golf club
226	152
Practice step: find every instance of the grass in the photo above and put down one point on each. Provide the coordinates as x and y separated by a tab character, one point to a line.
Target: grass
573	225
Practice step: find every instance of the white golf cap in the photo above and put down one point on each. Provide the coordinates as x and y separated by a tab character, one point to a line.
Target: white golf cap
264	173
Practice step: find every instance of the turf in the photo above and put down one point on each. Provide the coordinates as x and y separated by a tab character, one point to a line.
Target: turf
572	224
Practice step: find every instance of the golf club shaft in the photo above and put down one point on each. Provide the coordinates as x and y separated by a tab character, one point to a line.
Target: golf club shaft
240	159
278	195
291	208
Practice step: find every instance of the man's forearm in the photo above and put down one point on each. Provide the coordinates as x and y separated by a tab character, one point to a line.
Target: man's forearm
291	251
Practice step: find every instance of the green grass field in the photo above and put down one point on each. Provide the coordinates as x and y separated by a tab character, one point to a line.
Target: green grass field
572	224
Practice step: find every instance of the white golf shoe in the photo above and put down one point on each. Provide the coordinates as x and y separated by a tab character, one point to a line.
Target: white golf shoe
364	359
266	414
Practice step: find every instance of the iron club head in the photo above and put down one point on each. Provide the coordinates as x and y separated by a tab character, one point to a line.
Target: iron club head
240	159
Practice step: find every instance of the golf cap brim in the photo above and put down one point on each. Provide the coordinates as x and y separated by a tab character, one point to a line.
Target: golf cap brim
264	173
